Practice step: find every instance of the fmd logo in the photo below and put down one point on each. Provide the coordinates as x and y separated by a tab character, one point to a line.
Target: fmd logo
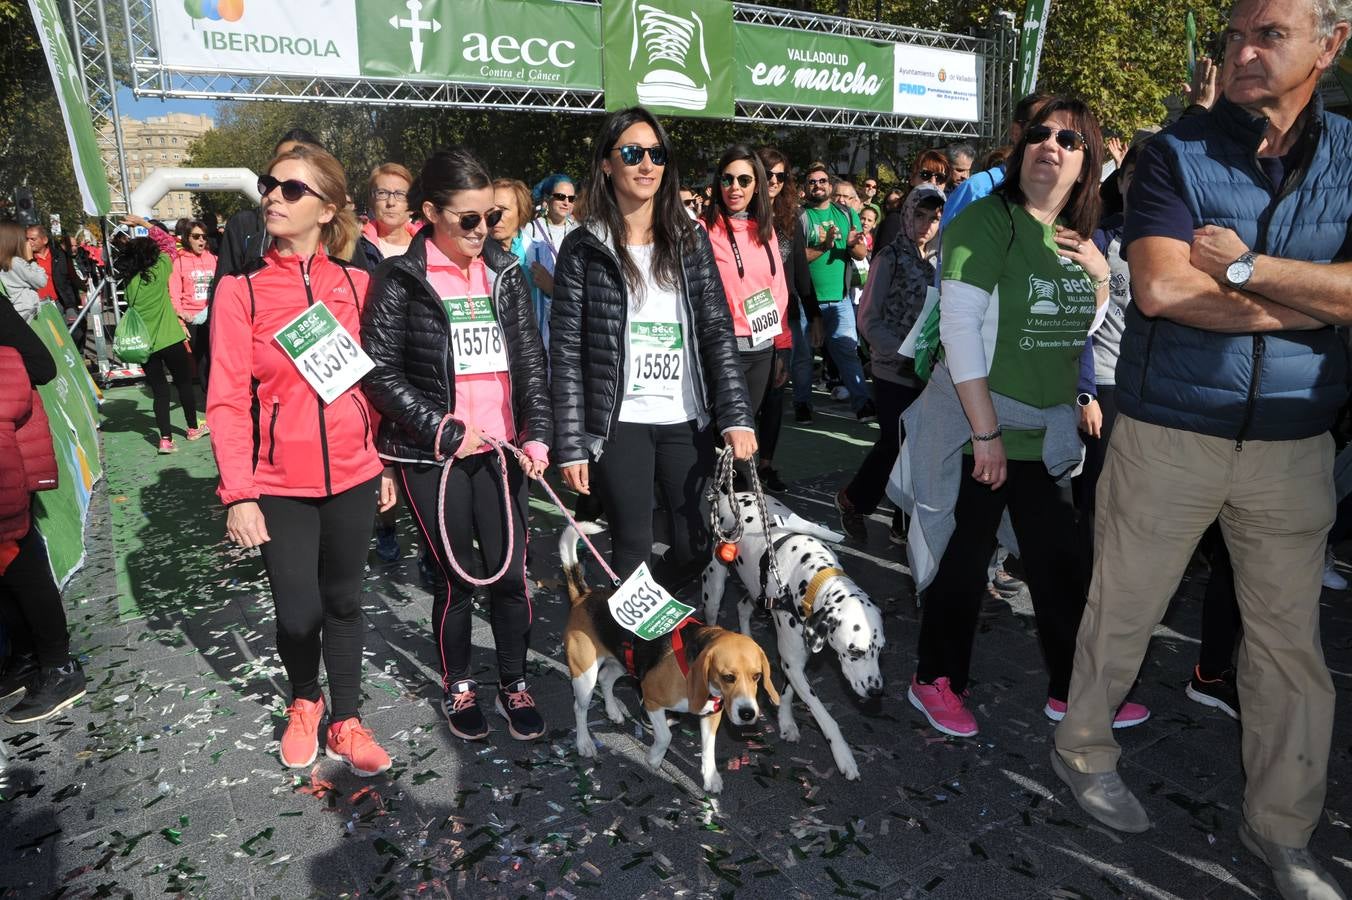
215	10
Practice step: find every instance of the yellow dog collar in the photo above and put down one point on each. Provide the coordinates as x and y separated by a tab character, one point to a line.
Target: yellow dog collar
815	585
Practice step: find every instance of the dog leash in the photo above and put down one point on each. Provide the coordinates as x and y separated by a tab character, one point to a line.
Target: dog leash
502	448
724	474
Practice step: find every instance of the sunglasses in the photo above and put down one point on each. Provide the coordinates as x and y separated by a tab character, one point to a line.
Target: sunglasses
292	189
870	186
931	175
1068	138
197	236
632	154
470	221
819	181
689	203
743	180
780	177
563	198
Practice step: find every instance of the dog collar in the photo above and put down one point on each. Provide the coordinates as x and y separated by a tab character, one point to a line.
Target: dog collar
815	585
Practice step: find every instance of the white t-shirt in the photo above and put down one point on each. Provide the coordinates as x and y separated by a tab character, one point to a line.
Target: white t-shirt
658	388
387	249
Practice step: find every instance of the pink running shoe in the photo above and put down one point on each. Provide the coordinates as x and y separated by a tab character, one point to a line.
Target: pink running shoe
300	741
167	445
196	434
944	709
350	742
1128	714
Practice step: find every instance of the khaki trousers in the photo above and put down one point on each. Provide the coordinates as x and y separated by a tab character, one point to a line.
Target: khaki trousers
1160	489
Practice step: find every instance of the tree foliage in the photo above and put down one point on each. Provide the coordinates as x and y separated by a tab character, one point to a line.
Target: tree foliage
33	146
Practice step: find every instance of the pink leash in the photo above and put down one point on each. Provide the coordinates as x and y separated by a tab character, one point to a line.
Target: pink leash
502	447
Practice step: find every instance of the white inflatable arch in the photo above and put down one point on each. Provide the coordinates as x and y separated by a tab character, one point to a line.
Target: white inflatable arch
162	181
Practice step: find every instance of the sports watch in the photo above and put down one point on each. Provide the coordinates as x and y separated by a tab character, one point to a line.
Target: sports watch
1084	398
1238	273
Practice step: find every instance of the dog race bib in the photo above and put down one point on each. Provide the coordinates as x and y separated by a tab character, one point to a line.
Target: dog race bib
324	352
763	316
643	607
476	336
657	357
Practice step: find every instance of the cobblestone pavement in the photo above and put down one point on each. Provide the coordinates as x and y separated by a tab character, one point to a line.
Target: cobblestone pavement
165	779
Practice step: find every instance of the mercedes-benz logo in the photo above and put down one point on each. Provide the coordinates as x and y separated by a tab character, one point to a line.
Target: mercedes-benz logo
1025	343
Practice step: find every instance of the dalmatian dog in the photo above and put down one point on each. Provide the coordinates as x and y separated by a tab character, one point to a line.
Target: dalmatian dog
827	608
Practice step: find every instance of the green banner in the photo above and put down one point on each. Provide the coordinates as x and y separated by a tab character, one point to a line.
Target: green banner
84	144
71	401
670	56
802	68
1030	44
543	43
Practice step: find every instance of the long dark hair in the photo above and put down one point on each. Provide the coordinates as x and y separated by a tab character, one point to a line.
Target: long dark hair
447	172
671	226
137	257
786	204
758	210
1084	205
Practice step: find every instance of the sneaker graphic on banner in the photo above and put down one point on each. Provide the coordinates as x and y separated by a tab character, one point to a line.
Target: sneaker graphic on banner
668	41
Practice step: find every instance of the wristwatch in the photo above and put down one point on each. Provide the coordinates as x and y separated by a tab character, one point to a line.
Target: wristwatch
1240	271
1084	398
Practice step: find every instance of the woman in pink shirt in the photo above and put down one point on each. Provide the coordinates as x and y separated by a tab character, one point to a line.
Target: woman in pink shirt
740	222
458	360
189	288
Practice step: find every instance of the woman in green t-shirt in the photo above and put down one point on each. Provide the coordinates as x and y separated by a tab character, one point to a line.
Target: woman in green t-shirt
145	267
1022	283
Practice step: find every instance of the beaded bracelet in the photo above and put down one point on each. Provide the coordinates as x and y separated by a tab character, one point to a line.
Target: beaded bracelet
989	435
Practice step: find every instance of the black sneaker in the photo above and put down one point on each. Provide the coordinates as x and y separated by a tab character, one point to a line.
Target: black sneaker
1218	693
56	690
517	706
461	706
770	480
866	413
802	412
20	673
851	519
1008	578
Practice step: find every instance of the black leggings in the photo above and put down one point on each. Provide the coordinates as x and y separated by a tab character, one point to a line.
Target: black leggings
474	512
866	489
756	369
679	459
175	359
1044	521
315	561
200	338
30	604
770	419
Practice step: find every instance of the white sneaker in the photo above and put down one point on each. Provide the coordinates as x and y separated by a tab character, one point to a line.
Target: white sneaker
1333	579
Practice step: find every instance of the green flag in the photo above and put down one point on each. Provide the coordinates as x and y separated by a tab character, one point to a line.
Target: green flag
671	56
84	143
1030	44
1190	30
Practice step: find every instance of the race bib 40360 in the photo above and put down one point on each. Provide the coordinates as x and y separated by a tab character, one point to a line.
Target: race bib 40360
476	337
643	607
658	354
763	316
324	352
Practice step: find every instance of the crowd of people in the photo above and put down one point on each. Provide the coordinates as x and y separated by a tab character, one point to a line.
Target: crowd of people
1098	373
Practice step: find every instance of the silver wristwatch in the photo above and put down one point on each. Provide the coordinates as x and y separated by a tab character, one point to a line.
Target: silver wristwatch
1238	273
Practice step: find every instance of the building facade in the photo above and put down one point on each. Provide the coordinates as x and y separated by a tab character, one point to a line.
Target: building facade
162	142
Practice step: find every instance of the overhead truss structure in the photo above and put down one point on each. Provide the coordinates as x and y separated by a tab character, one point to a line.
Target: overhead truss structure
152	79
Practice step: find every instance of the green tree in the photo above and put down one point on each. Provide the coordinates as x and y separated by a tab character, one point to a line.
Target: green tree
33	146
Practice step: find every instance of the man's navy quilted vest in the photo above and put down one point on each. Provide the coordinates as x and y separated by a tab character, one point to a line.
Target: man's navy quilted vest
1268	387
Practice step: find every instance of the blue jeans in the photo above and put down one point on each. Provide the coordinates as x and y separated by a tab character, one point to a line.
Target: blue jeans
800	367
842	342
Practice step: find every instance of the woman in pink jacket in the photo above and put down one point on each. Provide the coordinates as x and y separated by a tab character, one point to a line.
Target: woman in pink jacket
189	287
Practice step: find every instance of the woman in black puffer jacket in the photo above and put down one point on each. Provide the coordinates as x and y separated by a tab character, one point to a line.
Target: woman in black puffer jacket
646	373
459	359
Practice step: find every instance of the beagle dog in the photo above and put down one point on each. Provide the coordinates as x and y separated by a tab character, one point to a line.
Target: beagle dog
826	607
707	671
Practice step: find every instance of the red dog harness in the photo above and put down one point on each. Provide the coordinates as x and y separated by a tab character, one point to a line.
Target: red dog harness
677	649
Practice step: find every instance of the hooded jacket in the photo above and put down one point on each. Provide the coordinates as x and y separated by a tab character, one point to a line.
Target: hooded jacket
586	345
406	332
270	431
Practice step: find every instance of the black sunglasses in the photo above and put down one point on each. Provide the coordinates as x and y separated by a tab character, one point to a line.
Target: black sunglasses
470	221
632	154
1068	138
564	198
691	202
292	189
744	180
931	175
197	236
780	177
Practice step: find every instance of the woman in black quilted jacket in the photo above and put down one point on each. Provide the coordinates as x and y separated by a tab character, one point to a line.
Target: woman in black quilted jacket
646	374
459	365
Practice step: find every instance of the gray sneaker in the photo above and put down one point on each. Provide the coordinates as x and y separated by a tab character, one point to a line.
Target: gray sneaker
1104	796
1298	875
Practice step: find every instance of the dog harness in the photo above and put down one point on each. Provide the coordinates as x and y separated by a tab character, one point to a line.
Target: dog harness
677	649
815	585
